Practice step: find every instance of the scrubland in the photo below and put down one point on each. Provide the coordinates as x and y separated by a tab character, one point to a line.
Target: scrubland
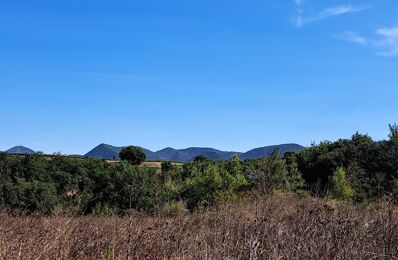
273	227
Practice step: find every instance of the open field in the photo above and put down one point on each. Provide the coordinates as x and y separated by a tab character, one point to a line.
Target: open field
152	164
279	227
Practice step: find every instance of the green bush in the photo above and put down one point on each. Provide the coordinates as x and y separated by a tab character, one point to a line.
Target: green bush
340	186
212	182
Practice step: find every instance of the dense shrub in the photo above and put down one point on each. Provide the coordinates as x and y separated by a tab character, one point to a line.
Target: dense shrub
40	183
371	167
274	173
210	182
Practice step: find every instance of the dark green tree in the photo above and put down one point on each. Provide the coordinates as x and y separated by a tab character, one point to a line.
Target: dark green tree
394	134
167	166
132	154
200	158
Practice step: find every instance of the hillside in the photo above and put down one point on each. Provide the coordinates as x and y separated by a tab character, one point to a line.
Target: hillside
105	151
20	150
267	150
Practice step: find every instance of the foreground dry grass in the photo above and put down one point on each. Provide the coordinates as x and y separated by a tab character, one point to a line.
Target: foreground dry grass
274	228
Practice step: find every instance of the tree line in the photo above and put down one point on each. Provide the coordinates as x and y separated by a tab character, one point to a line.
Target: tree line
356	170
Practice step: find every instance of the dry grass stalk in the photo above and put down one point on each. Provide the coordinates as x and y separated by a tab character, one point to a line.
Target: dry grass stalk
273	228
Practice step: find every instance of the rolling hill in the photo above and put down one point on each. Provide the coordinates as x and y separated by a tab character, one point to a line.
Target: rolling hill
20	150
267	150
106	151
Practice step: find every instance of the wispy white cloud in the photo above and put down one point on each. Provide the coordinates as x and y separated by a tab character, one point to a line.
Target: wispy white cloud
298	2
297	20
384	41
389	41
300	20
338	10
353	37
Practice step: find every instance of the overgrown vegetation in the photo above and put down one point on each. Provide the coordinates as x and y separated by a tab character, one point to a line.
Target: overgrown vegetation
270	227
371	167
358	169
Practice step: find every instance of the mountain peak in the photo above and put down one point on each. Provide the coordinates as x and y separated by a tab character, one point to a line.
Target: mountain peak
167	149
20	150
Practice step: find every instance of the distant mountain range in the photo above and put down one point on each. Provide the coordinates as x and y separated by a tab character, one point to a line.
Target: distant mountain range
106	151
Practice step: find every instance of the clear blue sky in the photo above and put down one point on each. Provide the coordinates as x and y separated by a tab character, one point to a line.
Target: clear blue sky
228	74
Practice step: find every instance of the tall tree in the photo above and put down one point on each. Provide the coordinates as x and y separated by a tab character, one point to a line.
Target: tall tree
394	134
132	154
